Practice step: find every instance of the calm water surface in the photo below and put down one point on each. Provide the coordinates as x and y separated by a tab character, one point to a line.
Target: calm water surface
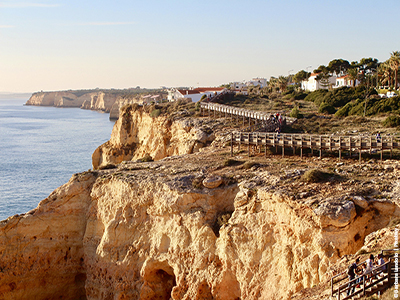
41	148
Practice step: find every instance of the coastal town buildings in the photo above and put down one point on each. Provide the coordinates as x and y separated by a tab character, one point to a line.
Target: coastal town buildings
345	81
194	94
313	84
241	87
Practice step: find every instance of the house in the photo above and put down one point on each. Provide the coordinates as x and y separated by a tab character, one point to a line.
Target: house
261	82
194	94
148	99
345	81
312	84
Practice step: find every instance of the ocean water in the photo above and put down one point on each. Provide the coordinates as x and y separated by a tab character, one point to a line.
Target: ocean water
41	148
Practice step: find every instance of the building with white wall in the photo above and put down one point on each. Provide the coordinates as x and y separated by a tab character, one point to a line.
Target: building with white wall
194	94
312	84
345	81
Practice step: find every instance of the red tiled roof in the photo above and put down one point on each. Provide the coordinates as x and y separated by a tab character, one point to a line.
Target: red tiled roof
344	76
200	90
188	92
209	89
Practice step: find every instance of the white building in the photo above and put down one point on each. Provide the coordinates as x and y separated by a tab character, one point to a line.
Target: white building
345	81
312	84
194	94
262	82
148	99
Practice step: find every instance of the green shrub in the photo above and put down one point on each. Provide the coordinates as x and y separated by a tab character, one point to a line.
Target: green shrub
295	113
314	175
392	121
326	108
155	113
344	110
249	164
316	95
146	158
231	162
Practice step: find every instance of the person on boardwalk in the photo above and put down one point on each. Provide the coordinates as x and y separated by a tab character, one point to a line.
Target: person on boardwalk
369	266
378	137
278	133
381	262
351	273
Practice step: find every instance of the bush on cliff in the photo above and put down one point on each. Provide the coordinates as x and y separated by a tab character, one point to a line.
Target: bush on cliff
392	121
314	176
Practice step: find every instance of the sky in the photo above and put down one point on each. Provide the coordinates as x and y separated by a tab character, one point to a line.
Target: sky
58	44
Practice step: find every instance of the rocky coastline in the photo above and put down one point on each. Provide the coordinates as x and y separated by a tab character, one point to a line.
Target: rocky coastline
195	223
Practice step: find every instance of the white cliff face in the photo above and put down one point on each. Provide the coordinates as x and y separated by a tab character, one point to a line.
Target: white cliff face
155	231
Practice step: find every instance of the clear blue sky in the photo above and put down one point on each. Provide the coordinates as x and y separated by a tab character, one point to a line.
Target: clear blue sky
60	44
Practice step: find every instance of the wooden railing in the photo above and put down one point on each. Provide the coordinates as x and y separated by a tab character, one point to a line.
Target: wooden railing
380	278
316	142
226	110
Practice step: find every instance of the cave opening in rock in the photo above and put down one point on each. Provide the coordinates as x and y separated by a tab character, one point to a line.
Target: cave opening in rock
158	283
221	219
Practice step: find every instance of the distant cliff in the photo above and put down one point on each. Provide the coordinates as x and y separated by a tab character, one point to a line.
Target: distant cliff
94	101
109	101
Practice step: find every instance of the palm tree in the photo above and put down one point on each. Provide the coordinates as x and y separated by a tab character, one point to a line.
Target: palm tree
272	84
282	83
394	63
386	73
353	75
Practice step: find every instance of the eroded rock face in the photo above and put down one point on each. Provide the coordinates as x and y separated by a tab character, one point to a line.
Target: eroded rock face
42	253
95	101
136	134
148	231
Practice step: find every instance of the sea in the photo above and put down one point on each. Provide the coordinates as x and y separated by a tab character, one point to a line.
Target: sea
41	148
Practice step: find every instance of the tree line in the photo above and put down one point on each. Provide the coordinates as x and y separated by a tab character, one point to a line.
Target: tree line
368	72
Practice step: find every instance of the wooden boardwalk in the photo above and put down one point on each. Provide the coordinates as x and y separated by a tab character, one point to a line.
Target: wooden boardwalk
231	111
328	143
331	143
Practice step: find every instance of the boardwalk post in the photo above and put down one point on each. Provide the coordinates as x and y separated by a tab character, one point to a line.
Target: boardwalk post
350	145
248	135
320	146
231	144
370	145
240	140
312	152
265	145
283	145
391	146
340	148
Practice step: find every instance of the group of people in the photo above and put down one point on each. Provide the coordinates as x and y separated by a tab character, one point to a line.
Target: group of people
356	270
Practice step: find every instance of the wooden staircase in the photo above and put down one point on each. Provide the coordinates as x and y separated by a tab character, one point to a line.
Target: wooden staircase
365	286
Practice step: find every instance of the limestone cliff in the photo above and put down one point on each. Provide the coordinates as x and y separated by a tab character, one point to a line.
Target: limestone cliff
138	134
99	101
60	99
183	228
95	100
192	226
